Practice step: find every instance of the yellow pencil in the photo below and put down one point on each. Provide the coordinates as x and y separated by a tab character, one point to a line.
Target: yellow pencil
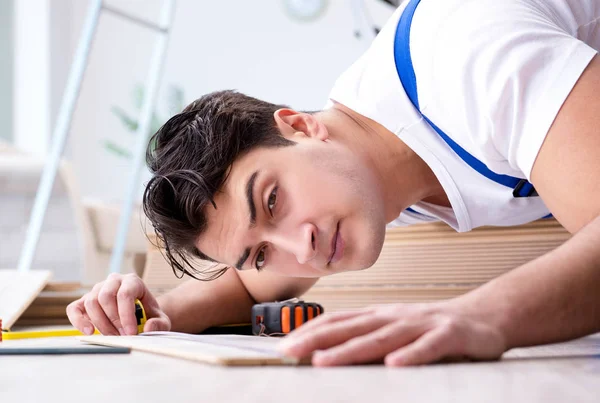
7	335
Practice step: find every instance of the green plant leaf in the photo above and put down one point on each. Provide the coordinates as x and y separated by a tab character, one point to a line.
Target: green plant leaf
130	123
117	149
175	103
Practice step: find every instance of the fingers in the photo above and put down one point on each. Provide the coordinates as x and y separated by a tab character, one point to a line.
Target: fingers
431	347
449	340
107	299
373	346
78	317
331	333
96	313
159	324
131	288
160	321
322	320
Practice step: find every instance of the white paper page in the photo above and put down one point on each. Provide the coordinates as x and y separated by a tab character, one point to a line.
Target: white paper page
265	345
215	349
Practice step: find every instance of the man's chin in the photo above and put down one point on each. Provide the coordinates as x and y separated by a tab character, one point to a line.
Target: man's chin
355	267
369	259
350	263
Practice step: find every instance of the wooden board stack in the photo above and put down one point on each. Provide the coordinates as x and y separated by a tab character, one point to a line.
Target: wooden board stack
424	262
158	275
431	262
49	308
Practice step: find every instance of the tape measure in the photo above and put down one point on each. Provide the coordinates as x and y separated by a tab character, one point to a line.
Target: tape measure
280	318
140	316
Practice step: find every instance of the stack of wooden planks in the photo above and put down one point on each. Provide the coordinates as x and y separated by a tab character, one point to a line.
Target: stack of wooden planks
431	262
31	299
49	307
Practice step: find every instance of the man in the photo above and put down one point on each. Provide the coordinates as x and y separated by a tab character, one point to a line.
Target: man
286	197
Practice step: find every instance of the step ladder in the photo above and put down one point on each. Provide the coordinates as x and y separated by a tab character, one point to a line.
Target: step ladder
65	114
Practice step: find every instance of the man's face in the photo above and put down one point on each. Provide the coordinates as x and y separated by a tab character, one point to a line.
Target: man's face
307	210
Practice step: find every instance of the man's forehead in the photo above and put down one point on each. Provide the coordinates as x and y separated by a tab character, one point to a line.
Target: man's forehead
217	215
222	222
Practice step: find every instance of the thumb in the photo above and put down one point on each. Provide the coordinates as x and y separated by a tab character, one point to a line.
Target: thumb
157	319
161	323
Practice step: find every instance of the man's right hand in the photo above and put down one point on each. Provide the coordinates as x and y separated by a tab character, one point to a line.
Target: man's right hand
110	307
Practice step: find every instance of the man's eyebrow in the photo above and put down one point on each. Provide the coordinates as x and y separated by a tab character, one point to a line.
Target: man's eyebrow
252	208
250	198
240	263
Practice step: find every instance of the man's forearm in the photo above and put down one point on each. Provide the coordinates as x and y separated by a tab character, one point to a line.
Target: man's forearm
197	305
553	298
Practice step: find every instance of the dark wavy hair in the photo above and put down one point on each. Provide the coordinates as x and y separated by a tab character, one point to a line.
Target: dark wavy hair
190	158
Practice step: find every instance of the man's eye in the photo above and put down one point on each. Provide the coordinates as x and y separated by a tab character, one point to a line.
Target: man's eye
260	260
272	200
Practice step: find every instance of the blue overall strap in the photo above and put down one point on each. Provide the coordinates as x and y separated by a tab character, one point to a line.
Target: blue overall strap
406	73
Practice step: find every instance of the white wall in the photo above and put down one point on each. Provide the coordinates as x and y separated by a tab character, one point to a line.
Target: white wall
251	46
61	42
31	72
6	87
35	41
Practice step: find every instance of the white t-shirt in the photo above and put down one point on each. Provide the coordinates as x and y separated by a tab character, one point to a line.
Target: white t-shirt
493	76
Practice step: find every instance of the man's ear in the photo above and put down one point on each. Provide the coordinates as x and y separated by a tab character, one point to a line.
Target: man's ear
292	124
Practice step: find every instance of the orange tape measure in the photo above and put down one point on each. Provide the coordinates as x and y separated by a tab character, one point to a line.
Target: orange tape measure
280	318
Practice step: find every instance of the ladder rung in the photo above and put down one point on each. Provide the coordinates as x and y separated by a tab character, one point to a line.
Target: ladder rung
137	20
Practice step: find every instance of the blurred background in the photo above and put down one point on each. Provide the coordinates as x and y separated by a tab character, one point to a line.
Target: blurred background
284	51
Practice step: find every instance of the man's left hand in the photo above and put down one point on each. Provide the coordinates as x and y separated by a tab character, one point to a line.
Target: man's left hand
398	334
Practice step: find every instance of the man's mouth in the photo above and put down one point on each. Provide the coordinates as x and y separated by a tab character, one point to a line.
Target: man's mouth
337	246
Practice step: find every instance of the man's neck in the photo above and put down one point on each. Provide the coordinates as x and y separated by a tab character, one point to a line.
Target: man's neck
405	178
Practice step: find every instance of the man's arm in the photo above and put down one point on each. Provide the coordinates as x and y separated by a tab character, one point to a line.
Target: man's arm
556	297
551	299
197	305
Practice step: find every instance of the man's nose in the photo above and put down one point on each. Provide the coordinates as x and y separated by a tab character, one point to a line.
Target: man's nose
301	243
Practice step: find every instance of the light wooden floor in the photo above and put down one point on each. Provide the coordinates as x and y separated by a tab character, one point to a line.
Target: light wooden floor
562	373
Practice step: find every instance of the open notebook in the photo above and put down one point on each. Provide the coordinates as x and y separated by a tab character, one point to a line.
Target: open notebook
211	349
